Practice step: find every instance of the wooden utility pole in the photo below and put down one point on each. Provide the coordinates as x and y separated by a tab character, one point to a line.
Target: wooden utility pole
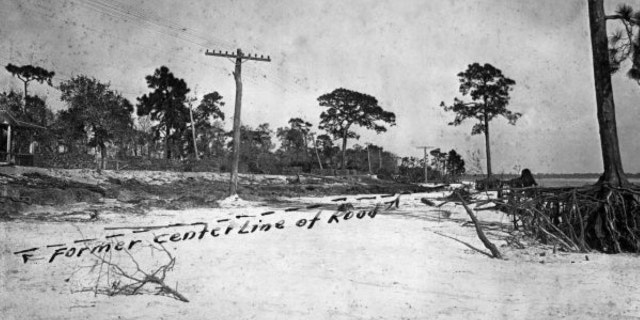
425	161
193	129
315	147
239	56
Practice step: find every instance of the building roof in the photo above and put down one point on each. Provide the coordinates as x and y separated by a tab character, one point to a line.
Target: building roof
7	118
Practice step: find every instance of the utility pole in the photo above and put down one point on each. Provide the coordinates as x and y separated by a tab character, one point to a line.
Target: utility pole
425	160
193	128
315	147
369	157
239	56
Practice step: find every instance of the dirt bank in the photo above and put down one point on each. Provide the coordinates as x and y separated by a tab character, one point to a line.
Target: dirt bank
87	193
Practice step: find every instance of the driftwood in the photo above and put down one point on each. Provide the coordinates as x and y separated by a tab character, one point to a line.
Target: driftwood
327	178
427	202
435	188
494	250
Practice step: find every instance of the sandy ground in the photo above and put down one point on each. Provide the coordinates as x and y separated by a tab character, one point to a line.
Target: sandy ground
405	263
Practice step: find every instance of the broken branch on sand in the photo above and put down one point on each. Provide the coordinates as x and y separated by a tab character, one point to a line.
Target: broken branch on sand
494	250
128	283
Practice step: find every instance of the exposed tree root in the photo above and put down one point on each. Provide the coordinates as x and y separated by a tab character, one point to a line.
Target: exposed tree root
600	217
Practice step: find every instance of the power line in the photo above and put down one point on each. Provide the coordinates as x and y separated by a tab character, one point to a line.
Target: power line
168	23
155	48
119	12
146	21
165	27
104	33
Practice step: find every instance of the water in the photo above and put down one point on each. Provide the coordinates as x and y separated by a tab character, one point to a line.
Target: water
571	182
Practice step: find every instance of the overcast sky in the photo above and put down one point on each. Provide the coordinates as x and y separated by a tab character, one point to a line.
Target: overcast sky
405	53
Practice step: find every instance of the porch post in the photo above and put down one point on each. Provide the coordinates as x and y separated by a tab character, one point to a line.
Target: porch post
8	143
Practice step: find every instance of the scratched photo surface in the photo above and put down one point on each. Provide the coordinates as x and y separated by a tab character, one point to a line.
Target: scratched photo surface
281	159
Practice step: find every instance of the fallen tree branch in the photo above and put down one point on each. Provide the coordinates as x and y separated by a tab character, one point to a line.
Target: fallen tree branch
494	250
330	178
131	283
466	244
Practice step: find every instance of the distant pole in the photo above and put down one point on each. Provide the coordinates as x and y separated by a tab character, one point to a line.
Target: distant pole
380	158
239	56
369	157
193	130
315	147
426	156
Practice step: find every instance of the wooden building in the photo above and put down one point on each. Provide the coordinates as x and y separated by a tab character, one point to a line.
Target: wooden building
9	125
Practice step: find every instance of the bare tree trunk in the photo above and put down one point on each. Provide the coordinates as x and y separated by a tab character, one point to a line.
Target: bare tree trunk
369	158
315	147
344	148
306	147
134	143
488	147
613	172
103	151
167	151
25	93
193	132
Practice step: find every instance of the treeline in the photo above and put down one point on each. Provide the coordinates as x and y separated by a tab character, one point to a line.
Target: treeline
169	122
443	167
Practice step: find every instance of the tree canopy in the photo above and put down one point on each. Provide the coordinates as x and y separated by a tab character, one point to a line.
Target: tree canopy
253	144
30	73
293	140
625	43
489	91
209	109
94	110
167	105
345	109
455	163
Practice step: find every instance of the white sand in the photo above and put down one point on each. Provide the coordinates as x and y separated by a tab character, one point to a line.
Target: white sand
402	264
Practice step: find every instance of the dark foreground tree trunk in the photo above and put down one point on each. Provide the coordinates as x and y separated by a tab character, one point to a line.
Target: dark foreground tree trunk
315	147
613	172
167	149
24	98
488	147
